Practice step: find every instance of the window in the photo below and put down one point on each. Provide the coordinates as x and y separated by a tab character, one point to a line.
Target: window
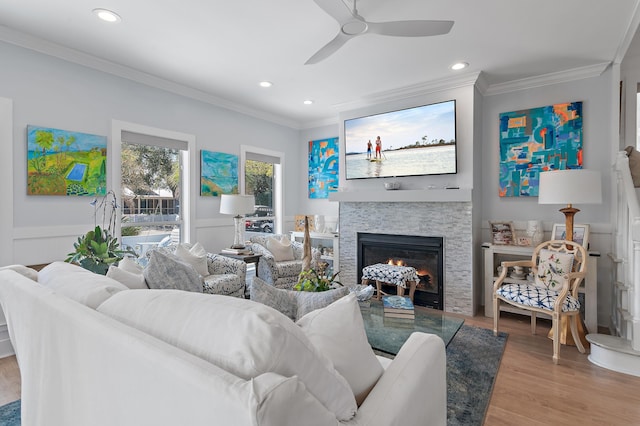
262	178
153	186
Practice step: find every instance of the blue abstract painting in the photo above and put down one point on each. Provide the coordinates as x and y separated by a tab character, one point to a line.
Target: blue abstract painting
323	167
538	140
218	173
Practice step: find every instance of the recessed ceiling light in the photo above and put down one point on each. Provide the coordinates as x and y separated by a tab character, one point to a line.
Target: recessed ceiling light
459	66
266	84
107	15
308	102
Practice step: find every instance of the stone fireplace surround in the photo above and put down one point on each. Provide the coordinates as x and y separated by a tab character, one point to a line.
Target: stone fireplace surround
451	220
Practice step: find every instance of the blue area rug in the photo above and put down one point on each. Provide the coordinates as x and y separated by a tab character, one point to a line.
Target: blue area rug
473	359
10	414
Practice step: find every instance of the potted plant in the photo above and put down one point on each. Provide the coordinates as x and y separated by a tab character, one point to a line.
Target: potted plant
312	280
98	249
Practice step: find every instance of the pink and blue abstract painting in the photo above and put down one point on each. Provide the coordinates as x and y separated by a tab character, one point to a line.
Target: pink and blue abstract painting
323	167
538	140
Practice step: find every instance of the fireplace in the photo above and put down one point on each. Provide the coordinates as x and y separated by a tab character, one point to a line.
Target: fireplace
425	254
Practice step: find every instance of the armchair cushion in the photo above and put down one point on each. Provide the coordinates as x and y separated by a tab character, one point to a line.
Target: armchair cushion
338	332
280	248
552	266
537	297
195	256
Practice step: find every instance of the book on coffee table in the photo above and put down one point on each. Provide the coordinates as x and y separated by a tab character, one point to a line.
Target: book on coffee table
398	307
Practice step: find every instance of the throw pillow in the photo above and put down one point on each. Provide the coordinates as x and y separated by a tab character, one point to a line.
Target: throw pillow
79	284
281	300
130	265
552	266
195	256
166	271
307	301
634	165
131	279
243	337
338	332
281	249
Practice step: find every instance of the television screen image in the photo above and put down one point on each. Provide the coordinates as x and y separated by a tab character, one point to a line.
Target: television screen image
410	142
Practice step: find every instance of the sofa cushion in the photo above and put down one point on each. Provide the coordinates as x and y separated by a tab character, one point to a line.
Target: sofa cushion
280	248
338	332
78	283
30	273
131	279
195	256
293	304
166	271
238	335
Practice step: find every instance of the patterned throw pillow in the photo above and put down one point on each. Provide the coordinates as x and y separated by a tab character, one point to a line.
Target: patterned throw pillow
552	266
166	271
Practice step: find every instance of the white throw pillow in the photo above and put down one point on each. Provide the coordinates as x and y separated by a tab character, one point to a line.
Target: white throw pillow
130	265
196	256
243	337
78	283
30	273
281	249
131	279
338	332
552	266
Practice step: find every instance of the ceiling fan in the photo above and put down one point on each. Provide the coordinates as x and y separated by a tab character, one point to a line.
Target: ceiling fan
352	25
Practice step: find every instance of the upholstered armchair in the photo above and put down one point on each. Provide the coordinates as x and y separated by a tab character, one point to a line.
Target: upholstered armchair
280	268
227	276
558	268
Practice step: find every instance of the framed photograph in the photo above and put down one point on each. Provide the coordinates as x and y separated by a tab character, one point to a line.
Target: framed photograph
580	233
502	233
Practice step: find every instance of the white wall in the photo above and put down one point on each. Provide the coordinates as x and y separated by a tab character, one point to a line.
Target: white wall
47	91
597	98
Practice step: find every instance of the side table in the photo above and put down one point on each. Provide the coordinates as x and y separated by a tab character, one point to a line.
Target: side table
246	258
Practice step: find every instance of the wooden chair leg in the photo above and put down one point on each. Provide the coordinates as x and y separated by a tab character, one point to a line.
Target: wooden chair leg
573	325
400	290
496	314
533	322
555	325
379	289
412	289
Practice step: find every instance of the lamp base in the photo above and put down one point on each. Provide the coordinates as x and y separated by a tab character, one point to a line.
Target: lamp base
237	237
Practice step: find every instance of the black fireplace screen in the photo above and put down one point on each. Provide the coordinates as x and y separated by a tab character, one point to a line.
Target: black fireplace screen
425	254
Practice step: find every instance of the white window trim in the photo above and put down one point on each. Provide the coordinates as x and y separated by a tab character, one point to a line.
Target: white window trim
189	168
6	182
278	182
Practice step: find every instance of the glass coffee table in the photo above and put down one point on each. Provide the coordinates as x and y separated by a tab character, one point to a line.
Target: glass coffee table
389	334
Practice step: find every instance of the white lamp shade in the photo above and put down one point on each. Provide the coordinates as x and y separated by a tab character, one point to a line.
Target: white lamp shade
237	204
576	186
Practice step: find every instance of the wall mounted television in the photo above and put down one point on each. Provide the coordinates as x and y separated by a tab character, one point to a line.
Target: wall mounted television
415	141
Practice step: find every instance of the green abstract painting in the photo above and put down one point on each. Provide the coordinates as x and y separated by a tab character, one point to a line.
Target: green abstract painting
218	173
61	162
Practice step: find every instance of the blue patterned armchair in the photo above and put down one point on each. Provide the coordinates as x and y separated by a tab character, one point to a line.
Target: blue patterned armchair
227	276
280	274
558	267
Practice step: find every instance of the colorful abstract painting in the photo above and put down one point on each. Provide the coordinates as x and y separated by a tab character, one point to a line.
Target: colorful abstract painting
60	162
218	173
323	167
537	140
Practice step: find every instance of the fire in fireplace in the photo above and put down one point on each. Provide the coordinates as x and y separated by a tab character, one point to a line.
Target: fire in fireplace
425	254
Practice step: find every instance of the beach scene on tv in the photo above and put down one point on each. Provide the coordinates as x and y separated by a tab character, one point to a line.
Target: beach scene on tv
413	141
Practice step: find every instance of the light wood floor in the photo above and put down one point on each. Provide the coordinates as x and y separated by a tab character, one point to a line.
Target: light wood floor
529	389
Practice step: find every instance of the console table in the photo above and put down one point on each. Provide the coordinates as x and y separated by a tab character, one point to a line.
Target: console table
494	255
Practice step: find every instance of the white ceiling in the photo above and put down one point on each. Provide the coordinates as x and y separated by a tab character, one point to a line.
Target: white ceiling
219	50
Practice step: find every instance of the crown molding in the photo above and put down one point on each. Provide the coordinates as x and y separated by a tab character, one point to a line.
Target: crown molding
81	58
404	92
547	79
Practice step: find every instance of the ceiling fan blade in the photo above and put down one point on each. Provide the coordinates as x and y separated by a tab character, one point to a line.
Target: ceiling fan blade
329	48
410	28
336	9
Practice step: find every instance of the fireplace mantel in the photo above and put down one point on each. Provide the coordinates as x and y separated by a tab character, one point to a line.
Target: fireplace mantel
403	195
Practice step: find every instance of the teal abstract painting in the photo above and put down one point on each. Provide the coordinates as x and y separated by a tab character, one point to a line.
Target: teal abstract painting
538	140
218	173
323	167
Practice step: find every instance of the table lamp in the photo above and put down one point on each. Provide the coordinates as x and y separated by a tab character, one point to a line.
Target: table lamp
237	205
575	186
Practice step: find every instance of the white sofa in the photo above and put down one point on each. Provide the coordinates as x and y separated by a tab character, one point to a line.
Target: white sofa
167	357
